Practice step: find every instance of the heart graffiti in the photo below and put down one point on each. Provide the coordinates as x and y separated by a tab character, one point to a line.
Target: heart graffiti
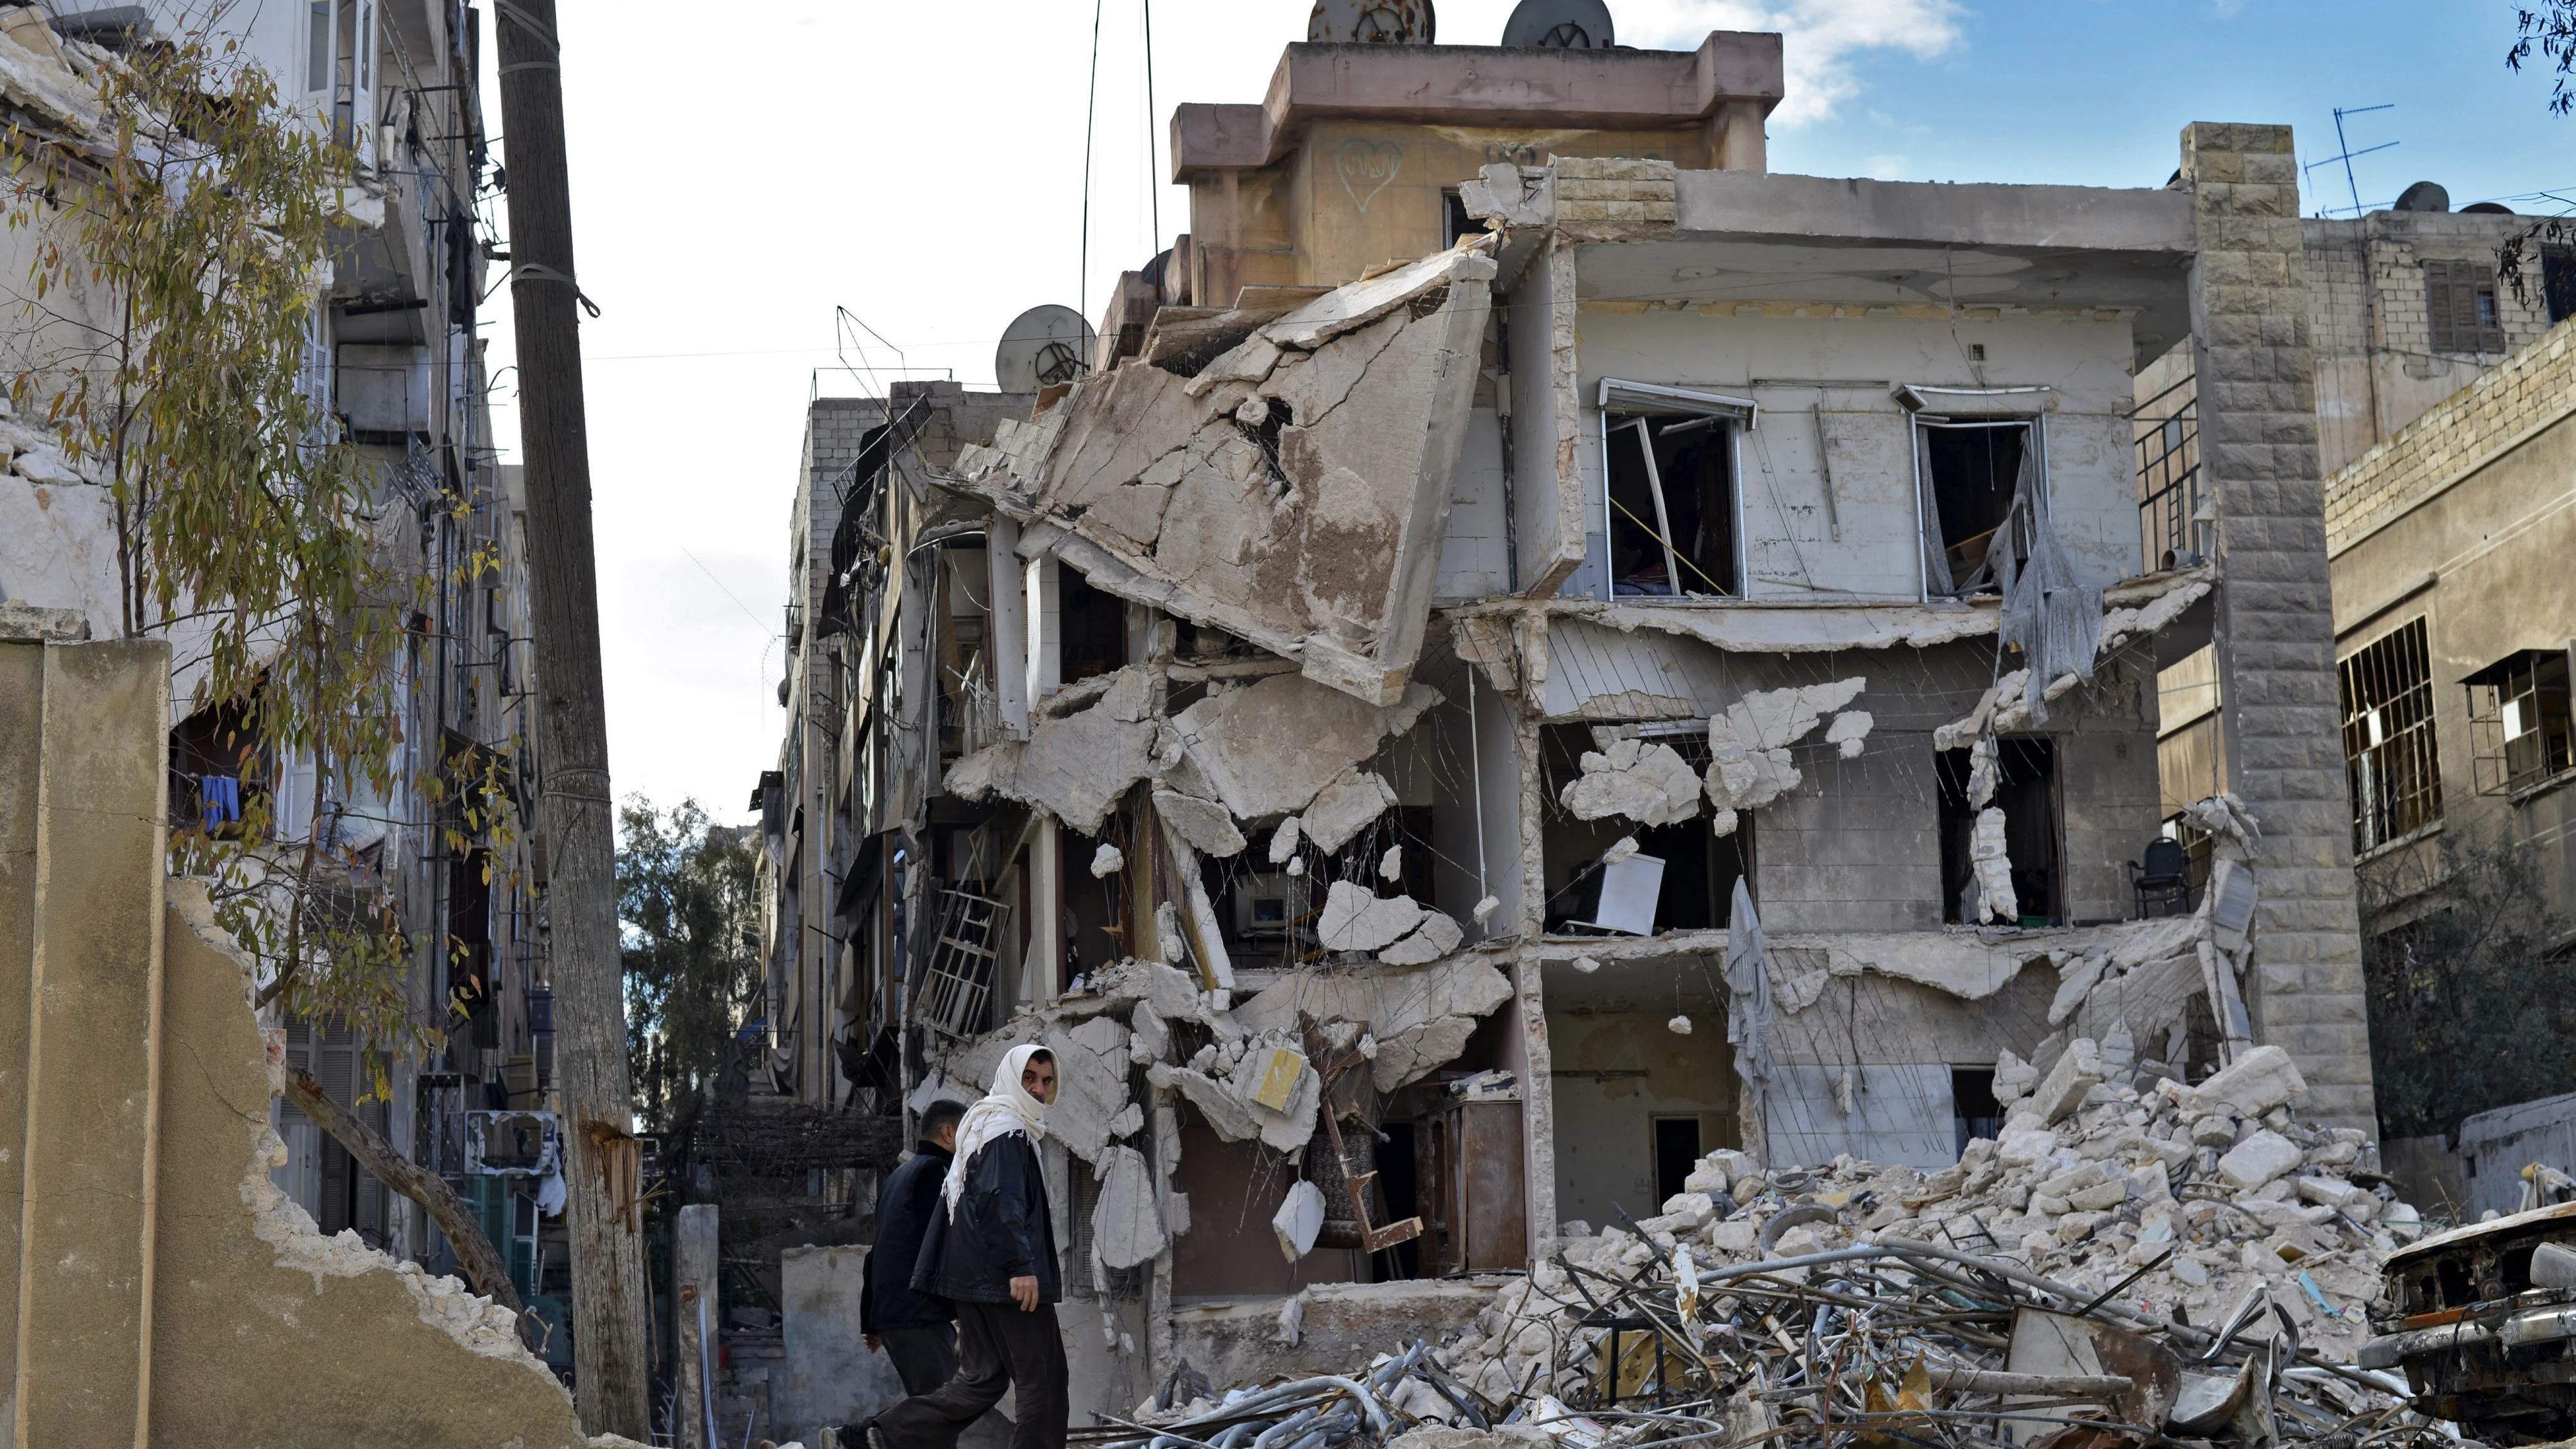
1366	167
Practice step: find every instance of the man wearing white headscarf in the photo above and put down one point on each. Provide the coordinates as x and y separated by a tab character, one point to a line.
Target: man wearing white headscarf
992	1252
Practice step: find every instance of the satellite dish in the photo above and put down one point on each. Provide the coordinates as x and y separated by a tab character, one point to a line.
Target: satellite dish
1043	346
2424	196
1381	22
1559	25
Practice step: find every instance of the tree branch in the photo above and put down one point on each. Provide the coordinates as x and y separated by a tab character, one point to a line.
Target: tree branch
483	1266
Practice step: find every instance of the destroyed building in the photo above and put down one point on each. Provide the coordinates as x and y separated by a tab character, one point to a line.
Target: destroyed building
394	359
1540	650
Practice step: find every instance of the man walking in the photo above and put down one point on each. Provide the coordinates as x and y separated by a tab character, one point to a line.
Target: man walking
991	1251
916	1330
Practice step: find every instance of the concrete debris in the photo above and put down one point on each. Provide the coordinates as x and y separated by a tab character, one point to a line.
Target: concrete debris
1291	490
1355	920
1107	861
2110	1270
1647	782
1203	823
1586	965
1749	763
1390	866
1299	1219
2225	817
1484	908
1996	900
1436	936
1074	766
1848	731
1679	1026
2255	1083
1269	747
1345	807
1126	1224
1283	842
1626	845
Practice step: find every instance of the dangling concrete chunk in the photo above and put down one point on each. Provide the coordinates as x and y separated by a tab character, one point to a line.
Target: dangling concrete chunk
1309	524
1355	920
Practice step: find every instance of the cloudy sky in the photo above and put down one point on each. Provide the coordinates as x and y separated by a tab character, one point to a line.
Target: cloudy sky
749	195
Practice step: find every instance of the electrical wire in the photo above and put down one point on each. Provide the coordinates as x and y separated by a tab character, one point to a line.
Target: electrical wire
1090	114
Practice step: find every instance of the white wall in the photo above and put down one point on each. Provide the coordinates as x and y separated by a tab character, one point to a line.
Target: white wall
1790	549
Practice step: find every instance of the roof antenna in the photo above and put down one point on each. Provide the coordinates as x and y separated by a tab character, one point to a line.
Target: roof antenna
2346	155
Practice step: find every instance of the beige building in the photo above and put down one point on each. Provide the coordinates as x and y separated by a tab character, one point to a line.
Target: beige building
1471	706
393	355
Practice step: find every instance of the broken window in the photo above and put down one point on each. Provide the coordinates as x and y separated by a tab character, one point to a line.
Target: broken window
2388	738
1682	876
1974	1112
1676	1154
2026	792
2519	730
1981	480
2460	302
2558	280
1094	640
1669	490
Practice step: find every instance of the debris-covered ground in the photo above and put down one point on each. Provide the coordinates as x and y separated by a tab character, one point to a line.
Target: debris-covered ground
2120	1266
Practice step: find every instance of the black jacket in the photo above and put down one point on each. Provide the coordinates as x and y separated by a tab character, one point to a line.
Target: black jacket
904	1208
1001	1231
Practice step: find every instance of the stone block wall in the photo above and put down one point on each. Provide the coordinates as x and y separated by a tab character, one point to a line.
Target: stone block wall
1614	188
2530	390
2275	621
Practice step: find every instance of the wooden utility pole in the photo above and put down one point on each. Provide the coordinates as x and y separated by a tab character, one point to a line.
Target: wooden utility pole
609	1304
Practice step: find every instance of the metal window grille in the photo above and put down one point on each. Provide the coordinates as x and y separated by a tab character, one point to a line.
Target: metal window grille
2520	733
2388	738
957	985
2167	432
2460	301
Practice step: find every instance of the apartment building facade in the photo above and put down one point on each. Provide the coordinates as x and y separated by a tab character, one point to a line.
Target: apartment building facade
1540	649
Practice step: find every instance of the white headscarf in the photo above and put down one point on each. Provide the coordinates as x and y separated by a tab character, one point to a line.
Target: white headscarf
1008	1108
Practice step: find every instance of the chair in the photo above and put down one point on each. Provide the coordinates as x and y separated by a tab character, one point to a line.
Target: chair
2164	877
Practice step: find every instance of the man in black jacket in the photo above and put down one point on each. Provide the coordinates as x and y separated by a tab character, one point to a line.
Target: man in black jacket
991	1251
916	1330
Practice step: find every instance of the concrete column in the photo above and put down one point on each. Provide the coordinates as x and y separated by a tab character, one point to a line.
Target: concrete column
2275	621
1736	137
93	1046
1008	637
1045	630
697	1266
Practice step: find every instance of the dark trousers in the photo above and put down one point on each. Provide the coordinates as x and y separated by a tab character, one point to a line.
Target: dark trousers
997	1346
924	1358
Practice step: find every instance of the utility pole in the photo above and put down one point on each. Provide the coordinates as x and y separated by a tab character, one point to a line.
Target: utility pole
603	1211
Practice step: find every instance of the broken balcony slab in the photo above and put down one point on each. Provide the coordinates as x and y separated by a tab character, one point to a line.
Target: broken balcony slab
1293	491
1970	965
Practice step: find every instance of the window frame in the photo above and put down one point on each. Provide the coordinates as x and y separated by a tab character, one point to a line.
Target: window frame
1638	400
2379	822
1926	514
2491	751
2444	281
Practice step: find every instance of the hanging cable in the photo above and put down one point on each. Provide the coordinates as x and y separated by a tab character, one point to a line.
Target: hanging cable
1090	113
1153	167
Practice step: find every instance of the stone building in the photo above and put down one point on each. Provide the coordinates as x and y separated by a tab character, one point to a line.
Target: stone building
394	357
1541	649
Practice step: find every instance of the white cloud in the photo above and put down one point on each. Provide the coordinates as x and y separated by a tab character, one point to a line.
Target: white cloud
1885	168
1821	39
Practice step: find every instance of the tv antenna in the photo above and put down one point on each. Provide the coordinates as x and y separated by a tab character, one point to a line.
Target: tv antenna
2346	153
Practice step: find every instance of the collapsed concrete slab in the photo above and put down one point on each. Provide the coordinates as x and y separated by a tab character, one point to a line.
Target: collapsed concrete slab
1074	766
1291	490
1268	748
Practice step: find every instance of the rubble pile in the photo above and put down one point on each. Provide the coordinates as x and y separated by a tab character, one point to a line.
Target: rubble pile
2130	1259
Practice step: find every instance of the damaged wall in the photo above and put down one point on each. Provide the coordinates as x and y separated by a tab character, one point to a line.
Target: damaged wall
2275	623
1791	549
167	1277
1282	477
